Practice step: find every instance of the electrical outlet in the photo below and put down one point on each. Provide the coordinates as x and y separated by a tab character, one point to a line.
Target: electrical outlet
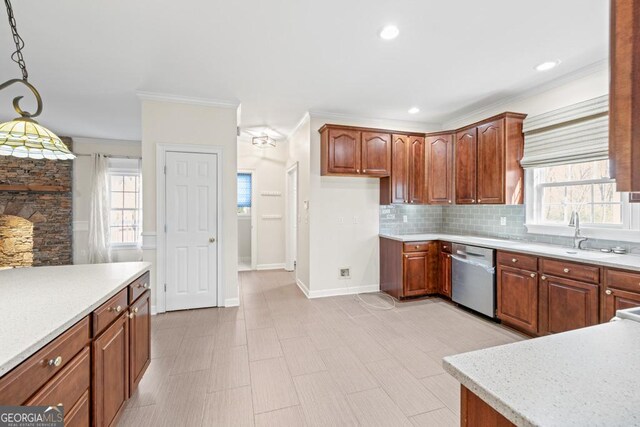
503	220
345	273
404	218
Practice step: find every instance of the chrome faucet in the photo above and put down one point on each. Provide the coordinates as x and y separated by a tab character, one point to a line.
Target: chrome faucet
578	240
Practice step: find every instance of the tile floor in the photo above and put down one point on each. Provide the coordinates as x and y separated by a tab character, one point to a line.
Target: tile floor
283	360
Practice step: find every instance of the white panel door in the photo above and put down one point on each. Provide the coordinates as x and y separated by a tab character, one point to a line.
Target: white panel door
192	235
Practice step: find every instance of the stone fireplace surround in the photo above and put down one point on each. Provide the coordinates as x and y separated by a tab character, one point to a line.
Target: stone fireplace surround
38	191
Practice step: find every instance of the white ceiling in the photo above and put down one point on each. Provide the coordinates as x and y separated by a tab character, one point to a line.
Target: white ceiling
280	58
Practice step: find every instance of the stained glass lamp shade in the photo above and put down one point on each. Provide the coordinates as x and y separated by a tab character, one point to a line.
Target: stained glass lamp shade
24	137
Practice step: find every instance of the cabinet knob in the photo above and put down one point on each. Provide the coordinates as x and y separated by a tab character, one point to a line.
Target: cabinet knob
55	362
135	310
608	292
364	171
417	247
118	309
566	270
143	285
533	274
131	315
449	201
358	170
479	200
514	259
543	277
473	200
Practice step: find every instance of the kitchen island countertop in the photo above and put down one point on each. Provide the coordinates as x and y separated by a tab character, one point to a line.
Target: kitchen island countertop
39	303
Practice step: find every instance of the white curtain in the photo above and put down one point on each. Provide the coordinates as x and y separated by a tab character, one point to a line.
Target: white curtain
99	251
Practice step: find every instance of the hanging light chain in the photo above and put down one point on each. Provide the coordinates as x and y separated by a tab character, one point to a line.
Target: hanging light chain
17	55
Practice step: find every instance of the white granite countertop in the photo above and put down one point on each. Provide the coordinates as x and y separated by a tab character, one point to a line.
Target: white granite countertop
39	303
626	262
586	377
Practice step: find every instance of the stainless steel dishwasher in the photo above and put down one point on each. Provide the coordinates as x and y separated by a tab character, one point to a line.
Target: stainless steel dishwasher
473	281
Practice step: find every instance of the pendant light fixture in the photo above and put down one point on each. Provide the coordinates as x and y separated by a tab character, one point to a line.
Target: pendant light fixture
23	136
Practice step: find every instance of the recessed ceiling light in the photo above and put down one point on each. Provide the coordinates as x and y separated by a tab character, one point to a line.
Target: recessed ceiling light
414	110
547	65
389	32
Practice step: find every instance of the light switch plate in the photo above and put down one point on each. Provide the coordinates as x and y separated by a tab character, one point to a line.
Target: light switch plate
503	220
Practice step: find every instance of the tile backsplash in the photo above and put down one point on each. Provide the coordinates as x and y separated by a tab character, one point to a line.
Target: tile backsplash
477	220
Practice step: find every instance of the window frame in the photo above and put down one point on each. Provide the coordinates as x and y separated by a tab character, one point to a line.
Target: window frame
121	171
629	230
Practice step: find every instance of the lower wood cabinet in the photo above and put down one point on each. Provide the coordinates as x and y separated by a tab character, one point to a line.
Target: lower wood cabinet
415	267
445	274
517	293
408	269
622	291
139	339
111	372
475	412
567	304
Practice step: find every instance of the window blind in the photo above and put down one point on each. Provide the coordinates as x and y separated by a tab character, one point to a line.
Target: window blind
574	134
244	190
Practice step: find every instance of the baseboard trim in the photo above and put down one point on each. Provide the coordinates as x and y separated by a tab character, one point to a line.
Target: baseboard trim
340	291
232	302
270	266
153	310
303	287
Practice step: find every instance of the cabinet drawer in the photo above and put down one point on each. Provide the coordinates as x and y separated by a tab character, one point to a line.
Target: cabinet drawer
416	247
624	280
570	270
78	415
109	311
68	385
445	247
27	378
138	287
523	262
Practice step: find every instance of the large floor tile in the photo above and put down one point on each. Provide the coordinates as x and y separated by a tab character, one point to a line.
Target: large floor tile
231	407
375	408
272	385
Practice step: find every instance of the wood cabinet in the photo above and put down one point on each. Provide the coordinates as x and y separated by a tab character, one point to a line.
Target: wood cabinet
439	178
517	298
445	274
475	412
567	304
408	269
624	94
111	372
487	161
406	185
621	291
352	151
139	339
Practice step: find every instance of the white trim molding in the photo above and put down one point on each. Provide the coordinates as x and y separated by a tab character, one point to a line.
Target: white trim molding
232	302
343	291
615	234
304	288
161	151
178	99
278	266
149	240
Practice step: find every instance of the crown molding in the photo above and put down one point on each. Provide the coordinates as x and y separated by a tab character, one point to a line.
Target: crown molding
466	114
305	118
429	126
177	99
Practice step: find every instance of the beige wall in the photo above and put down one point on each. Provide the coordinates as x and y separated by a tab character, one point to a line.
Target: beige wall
82	175
179	123
299	150
269	169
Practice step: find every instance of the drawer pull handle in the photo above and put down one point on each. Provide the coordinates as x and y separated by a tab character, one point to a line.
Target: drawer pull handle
566	270
143	285
514	259
608	292
533	274
118	309
543	277
55	362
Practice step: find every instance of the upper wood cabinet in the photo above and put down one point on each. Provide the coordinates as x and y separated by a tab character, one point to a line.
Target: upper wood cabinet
353	151
624	94
487	161
407	181
439	169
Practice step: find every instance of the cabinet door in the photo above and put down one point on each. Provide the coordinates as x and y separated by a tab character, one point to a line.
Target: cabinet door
111	372
439	169
567	304
415	273
417	164
616	299
139	339
465	166
445	274
518	298
376	154
399	169
344	151
491	162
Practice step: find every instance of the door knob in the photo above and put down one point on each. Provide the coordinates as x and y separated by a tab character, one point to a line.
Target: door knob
212	239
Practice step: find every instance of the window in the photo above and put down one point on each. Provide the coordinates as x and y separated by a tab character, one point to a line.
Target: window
126	210
556	191
244	194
